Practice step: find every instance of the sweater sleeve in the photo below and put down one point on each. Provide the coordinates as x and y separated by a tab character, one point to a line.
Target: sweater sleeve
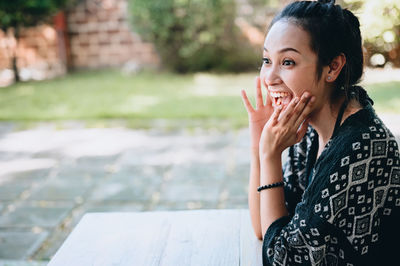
292	188
341	214
294	171
306	239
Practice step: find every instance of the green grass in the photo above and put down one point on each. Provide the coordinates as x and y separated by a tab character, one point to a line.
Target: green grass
105	95
386	96
110	94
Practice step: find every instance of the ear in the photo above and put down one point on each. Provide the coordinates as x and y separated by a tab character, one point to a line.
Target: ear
334	68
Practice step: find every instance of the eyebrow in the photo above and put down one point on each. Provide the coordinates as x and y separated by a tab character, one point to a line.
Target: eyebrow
285	50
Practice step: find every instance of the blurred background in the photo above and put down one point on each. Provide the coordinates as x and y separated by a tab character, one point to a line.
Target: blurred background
134	105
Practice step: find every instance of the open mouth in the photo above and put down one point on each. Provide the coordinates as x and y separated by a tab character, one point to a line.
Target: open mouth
280	98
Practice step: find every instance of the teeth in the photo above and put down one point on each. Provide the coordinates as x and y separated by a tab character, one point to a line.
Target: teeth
279	94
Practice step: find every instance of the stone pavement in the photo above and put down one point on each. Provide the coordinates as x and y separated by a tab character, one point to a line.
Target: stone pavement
50	177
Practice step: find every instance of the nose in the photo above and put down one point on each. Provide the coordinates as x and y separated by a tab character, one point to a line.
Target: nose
270	75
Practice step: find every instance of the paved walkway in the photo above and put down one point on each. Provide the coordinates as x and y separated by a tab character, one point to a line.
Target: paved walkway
49	178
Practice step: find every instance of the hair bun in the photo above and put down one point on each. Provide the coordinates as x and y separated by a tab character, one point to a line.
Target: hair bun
327	1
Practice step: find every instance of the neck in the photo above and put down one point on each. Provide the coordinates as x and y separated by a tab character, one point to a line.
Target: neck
323	120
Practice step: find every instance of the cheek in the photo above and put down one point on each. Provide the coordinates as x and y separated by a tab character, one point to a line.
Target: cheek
298	83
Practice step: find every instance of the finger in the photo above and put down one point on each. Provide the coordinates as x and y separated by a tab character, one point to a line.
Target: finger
275	115
246	102
306	111
299	109
259	97
285	116
302	131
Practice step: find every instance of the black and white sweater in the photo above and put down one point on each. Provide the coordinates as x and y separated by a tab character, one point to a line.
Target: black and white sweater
344	208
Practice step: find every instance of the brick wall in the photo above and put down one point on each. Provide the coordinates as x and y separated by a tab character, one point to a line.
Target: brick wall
100	36
38	54
97	35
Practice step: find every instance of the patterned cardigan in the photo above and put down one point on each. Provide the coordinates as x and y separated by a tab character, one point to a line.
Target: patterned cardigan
344	209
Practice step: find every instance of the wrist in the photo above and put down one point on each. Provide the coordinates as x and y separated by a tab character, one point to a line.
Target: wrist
270	156
255	151
271	170
254	144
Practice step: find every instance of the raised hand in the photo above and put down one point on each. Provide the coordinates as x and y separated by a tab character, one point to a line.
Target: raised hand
283	128
259	116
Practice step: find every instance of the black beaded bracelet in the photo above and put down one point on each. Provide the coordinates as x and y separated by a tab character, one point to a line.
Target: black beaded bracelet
278	184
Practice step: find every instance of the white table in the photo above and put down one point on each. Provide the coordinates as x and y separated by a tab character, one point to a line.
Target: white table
200	237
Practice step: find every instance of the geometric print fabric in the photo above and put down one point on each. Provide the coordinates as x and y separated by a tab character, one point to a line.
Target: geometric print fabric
355	186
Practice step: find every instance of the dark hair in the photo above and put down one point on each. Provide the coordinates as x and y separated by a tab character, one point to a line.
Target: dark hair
333	30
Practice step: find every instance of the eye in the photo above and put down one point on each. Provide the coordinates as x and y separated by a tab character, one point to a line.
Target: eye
288	62
266	60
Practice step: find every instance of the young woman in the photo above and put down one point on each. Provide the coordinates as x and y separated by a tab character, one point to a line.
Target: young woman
336	201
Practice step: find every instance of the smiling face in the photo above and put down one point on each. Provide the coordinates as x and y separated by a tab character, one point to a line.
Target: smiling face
290	66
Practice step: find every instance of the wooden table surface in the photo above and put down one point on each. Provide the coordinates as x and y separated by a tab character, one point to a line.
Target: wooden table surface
199	237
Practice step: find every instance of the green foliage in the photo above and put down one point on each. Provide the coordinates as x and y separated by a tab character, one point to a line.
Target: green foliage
23	13
270	3
380	24
376	17
193	35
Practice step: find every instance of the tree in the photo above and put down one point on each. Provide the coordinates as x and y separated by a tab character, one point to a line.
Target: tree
193	35
16	14
380	26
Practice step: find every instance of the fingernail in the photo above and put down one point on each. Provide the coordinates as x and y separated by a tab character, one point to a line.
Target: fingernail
306	94
312	99
296	100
